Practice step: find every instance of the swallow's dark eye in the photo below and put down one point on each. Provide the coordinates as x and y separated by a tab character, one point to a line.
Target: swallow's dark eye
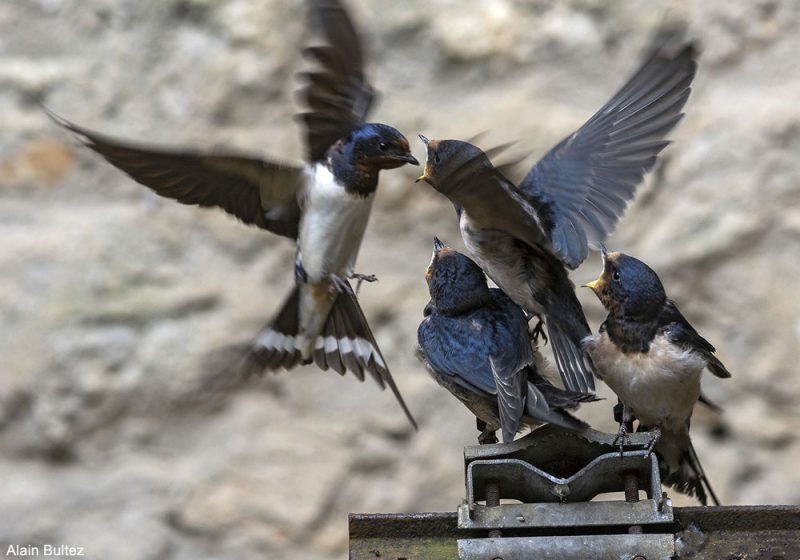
383	146
436	158
615	275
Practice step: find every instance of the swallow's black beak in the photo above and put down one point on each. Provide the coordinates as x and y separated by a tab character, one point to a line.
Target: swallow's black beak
603	253
438	245
408	158
424	139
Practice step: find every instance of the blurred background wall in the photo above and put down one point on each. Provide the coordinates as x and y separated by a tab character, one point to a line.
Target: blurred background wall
117	434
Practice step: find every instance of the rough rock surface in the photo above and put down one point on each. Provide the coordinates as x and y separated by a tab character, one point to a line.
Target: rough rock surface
116	307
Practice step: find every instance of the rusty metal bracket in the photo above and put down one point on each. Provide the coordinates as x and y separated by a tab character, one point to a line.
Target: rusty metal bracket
513	471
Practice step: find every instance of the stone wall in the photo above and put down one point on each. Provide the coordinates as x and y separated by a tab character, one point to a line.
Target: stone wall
118	309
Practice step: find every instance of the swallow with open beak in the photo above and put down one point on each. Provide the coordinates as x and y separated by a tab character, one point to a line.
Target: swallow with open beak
525	237
652	358
323	205
475	343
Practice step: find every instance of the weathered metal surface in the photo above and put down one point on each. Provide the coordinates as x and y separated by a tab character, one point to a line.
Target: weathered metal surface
701	533
587	514
553	473
526	482
607	547
421	536
517	471
738	532
555	450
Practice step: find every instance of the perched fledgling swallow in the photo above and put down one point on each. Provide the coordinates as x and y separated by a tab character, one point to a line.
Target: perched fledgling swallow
523	237
324	205
475	343
651	357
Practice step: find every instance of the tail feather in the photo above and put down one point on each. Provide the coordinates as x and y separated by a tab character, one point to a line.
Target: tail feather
556	401
278	344
689	478
716	367
574	365
710	404
558	398
345	344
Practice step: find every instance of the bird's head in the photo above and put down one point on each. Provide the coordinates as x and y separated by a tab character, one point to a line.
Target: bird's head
628	287
450	162
455	282
379	146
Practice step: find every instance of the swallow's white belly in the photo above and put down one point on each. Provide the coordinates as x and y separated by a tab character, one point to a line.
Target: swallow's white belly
501	258
332	226
660	387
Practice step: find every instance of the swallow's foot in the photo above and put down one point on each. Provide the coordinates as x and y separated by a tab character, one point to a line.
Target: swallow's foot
622	438
655	435
538	331
362	278
487	434
339	283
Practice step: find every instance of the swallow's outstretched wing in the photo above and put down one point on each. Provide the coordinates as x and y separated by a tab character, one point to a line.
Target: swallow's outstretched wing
257	191
586	181
337	93
464	173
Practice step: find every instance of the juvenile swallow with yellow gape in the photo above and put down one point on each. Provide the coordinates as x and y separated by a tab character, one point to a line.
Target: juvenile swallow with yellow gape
475	343
525	237
323	205
652	358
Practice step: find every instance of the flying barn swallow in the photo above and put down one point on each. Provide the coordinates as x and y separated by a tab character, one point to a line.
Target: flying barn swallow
524	236
323	205
652	358
475	343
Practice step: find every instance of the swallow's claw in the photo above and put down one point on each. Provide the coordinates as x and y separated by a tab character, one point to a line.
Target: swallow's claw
487	434
339	283
655	435
622	438
538	331
362	278
487	437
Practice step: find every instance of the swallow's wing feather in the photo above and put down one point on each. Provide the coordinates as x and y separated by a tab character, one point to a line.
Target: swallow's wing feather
680	332
558	398
447	348
337	93
510	354
257	191
511	398
491	200
588	178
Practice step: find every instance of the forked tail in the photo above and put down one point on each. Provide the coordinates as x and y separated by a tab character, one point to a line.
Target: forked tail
690	478
345	344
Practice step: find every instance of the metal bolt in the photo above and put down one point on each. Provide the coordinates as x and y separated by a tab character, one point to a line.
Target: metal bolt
662	501
631	479
492	500
562	491
631	486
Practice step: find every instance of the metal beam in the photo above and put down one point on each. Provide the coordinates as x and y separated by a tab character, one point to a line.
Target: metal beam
752	532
